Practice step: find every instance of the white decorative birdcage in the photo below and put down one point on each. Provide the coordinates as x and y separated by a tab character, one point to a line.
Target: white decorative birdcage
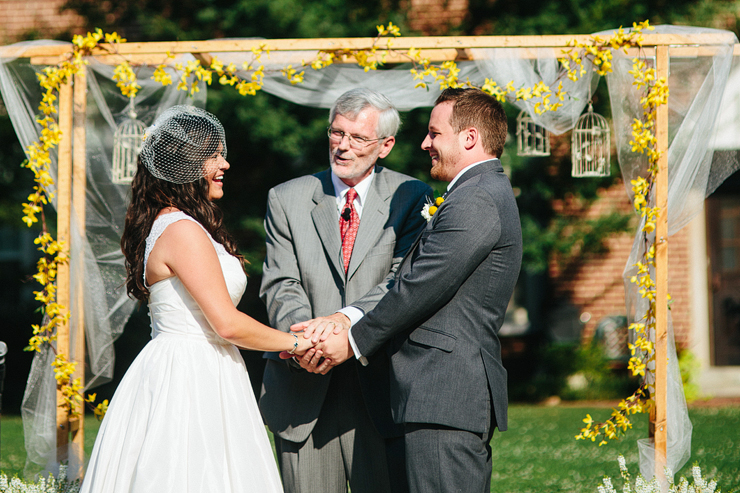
590	146
126	145
531	139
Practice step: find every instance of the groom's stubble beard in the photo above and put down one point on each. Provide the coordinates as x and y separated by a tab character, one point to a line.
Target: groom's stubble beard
444	167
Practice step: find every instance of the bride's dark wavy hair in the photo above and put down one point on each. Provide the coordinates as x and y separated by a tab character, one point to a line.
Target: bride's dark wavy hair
149	195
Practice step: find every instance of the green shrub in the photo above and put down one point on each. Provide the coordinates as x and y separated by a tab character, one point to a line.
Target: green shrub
689	366
571	372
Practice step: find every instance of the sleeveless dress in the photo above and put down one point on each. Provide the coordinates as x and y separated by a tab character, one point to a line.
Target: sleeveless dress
184	417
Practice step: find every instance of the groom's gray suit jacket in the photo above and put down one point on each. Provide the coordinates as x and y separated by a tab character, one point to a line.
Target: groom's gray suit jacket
303	278
447	305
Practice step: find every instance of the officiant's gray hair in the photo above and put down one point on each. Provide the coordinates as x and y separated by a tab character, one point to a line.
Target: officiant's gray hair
352	102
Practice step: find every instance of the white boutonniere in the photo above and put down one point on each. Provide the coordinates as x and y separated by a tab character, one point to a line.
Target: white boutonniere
430	208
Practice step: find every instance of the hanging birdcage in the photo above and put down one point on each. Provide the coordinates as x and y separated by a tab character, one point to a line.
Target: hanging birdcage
126	145
531	139
589	146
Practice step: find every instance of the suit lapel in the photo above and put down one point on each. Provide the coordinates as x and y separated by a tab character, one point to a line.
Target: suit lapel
374	216
487	166
326	221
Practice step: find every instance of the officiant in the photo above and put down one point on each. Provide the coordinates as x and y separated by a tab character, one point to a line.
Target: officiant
335	239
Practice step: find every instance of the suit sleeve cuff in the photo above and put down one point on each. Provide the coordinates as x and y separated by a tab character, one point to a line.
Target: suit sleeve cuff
360	357
353	313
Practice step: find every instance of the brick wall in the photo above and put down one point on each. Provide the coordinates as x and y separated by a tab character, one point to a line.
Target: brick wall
40	17
436	17
595	285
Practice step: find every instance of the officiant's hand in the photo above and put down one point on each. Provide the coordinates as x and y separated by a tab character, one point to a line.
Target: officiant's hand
320	328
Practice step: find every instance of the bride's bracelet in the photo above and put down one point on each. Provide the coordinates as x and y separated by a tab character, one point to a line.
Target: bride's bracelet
295	344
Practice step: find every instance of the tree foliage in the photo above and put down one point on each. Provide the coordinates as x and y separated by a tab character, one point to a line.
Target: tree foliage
520	17
15	182
160	20
271	140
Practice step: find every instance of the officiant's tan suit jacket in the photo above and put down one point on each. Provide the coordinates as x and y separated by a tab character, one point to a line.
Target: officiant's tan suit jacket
304	278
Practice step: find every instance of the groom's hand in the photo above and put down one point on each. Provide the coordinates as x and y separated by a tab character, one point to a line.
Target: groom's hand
336	350
326	355
319	330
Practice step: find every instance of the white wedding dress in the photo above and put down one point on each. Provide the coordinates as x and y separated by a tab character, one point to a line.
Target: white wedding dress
184	417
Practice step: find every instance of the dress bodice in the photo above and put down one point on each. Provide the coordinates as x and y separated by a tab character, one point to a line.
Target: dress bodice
184	417
172	309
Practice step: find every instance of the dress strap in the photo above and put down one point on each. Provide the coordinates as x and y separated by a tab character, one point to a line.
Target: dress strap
158	227
161	223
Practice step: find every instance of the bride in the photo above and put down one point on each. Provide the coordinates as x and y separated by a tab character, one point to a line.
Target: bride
184	417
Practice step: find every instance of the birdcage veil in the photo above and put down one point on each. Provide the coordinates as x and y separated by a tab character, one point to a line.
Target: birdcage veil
180	143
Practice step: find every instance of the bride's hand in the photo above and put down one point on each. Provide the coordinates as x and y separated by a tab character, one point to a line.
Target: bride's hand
304	344
307	356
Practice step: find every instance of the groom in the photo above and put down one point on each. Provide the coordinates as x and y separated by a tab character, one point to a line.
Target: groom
444	311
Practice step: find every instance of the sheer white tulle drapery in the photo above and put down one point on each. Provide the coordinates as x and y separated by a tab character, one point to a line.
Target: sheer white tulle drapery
697	83
695	170
96	261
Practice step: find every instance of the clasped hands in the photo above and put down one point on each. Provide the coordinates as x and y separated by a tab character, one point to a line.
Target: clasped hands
331	346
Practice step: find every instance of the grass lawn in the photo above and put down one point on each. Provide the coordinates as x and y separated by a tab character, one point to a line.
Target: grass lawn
12	448
539	453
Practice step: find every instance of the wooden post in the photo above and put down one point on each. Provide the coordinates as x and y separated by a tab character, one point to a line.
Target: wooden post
661	274
64	205
79	182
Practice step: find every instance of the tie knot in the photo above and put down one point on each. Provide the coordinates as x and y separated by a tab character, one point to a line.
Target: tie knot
351	195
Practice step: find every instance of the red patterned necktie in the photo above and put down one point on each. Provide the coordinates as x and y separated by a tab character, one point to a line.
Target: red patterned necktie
349	222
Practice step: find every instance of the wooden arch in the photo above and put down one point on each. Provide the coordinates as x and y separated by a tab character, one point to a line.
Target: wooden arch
71	166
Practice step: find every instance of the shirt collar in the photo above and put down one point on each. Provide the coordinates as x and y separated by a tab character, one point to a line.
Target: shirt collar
362	189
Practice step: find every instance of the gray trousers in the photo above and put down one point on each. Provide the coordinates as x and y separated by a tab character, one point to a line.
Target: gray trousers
441	459
344	447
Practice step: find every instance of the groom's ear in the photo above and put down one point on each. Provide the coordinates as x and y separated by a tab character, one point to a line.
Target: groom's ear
471	136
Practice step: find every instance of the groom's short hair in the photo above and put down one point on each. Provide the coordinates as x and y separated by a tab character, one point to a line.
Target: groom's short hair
475	108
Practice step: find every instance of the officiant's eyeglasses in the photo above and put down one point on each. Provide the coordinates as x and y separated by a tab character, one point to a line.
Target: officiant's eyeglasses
355	142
